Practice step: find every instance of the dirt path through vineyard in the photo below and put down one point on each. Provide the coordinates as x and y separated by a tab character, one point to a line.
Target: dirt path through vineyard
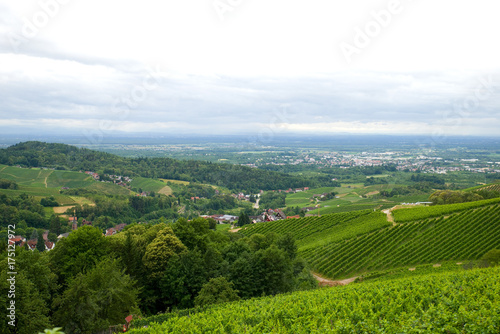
326	282
390	218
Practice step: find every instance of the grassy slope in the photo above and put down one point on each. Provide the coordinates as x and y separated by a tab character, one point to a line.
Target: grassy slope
147	184
340	245
456	302
462	236
42	183
351	197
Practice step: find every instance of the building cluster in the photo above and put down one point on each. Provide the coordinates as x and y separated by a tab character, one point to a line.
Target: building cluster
95	176
293	191
120	180
21	241
403	160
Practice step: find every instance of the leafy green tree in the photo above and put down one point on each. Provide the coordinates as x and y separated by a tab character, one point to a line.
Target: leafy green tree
52	237
34	235
212	223
216	291
49	202
56	330
55	224
40	245
194	234
258	241
272	271
160	250
94	300
492	257
243	219
77	253
34	285
242	275
286	242
183	279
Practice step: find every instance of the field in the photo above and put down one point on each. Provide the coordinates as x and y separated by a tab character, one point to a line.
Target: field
350	197
464	236
343	245
146	184
422	212
456	302
41	183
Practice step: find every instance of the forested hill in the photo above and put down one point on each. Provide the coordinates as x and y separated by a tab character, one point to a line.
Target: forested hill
234	177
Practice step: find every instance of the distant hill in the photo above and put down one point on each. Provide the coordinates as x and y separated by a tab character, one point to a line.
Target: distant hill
234	177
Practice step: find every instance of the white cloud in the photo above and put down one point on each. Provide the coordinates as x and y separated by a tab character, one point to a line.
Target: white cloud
236	74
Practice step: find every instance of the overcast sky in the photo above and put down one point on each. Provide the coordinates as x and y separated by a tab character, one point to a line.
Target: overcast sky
241	66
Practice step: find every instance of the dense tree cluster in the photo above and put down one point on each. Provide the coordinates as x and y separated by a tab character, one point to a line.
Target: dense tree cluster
234	177
89	282
111	210
272	200
8	184
452	197
23	210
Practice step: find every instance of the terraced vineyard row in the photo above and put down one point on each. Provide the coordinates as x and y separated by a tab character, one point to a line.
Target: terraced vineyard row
422	212
493	187
463	236
303	227
346	230
461	302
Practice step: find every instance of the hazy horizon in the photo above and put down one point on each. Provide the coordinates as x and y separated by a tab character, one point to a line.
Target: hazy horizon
393	67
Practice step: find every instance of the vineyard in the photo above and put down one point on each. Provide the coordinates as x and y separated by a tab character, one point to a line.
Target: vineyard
462	236
304	227
346	229
457	302
423	212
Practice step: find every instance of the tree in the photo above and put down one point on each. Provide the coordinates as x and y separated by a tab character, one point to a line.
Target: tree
243	219
34	235
286	242
160	250
40	245
194	234
94	300
183	279
217	290
52	237
77	253
55	224
34	285
492	257
212	223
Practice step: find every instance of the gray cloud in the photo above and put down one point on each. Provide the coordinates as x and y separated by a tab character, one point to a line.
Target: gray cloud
87	90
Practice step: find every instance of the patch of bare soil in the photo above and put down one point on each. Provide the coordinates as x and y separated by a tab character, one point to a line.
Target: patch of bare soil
62	209
412	269
390	218
436	265
372	193
235	230
165	191
326	282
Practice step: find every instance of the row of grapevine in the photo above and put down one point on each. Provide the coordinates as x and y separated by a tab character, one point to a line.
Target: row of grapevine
422	212
462	236
458	302
346	230
302	227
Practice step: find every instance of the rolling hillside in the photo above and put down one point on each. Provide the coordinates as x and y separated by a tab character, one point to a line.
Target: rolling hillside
234	177
458	302
41	183
349	244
